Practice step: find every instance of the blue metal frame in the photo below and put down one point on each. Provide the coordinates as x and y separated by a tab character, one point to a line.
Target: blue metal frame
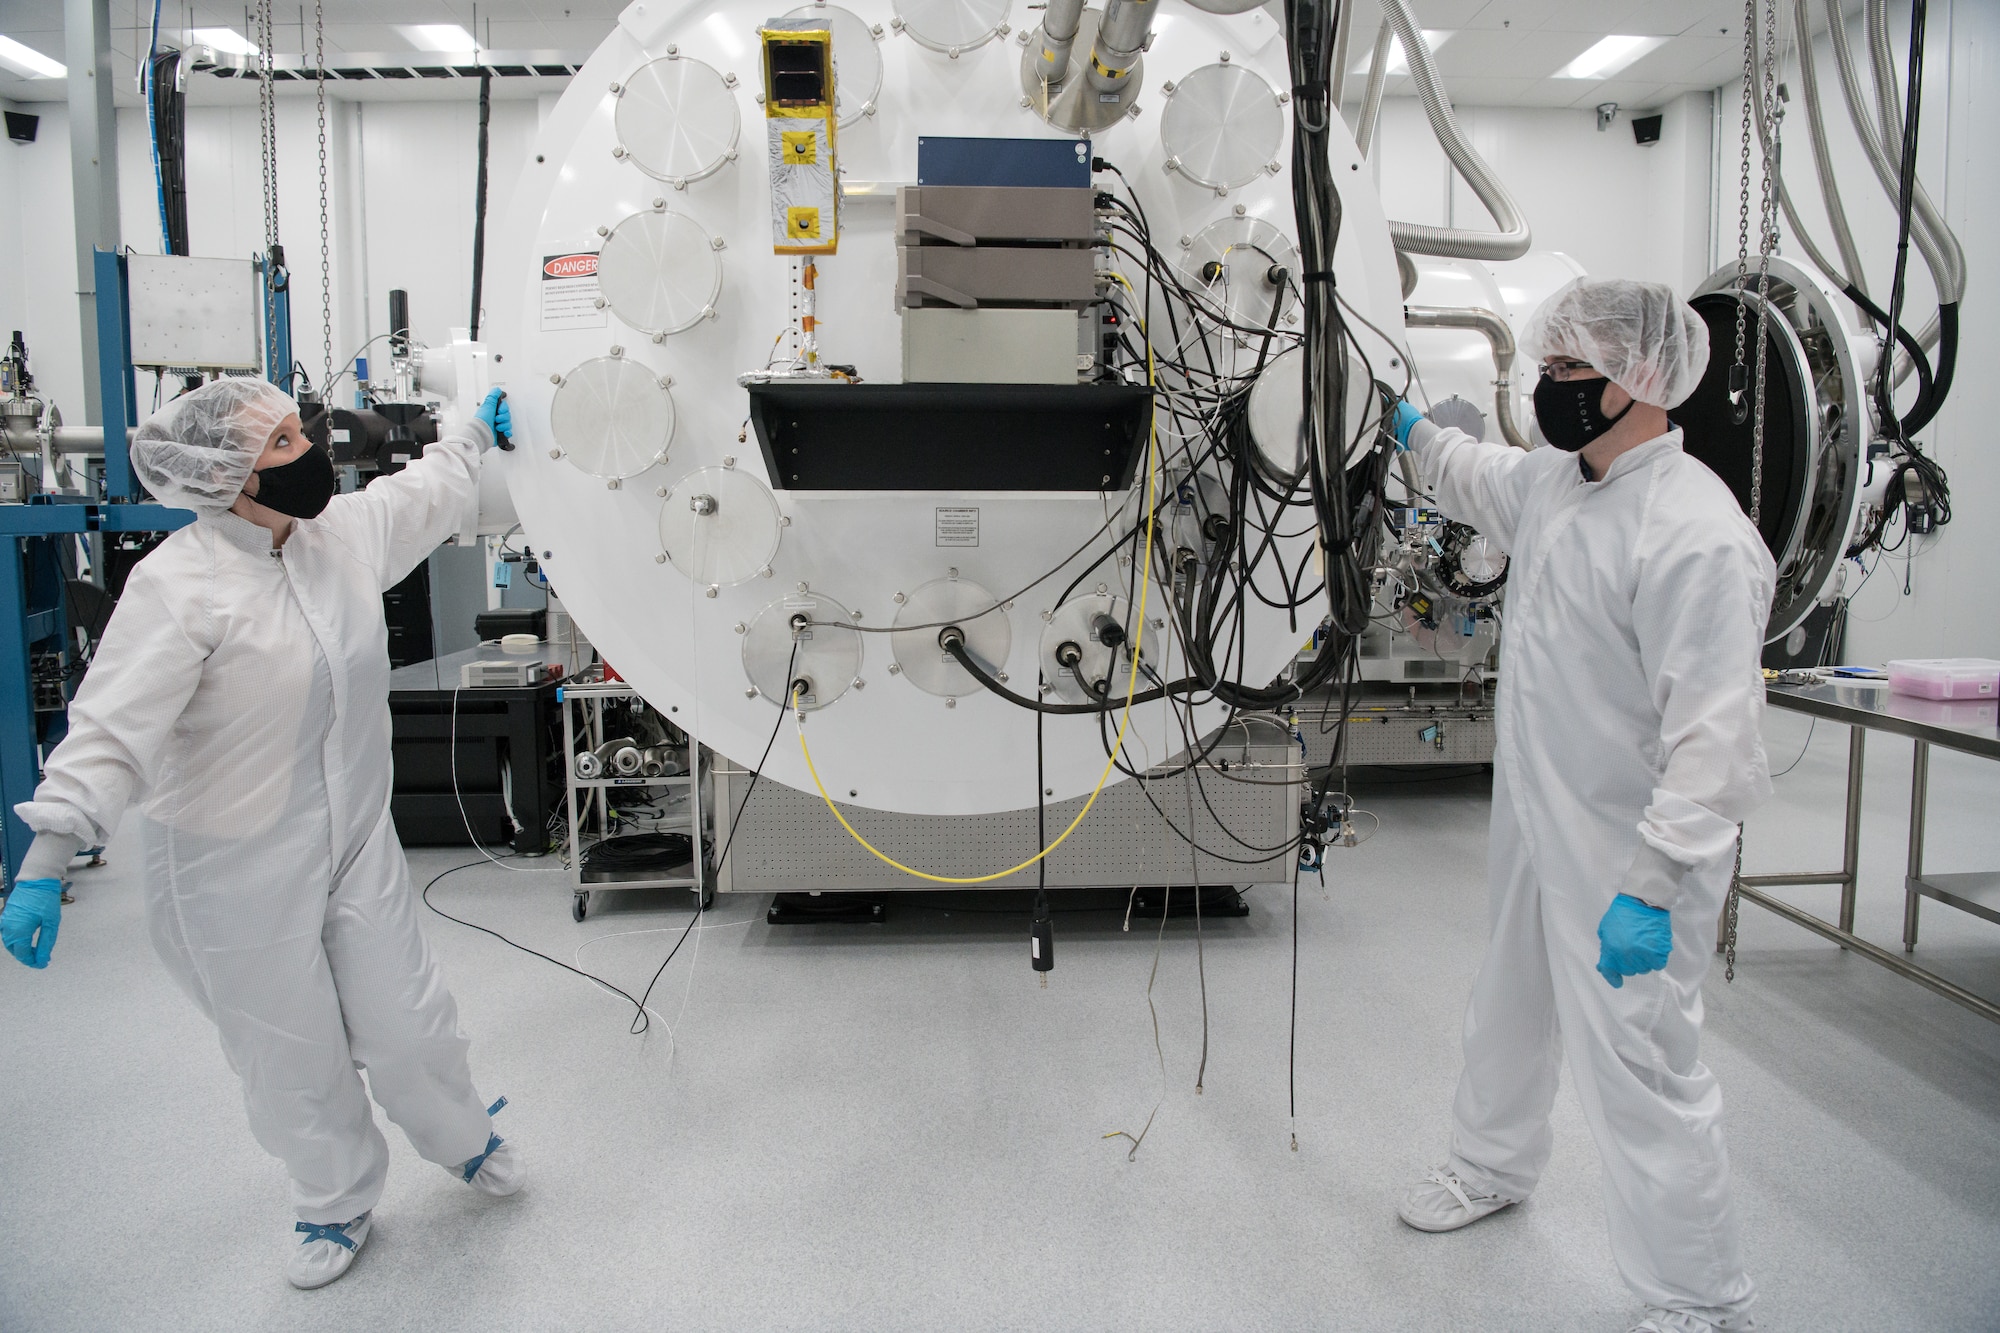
32	571
32	614
119	396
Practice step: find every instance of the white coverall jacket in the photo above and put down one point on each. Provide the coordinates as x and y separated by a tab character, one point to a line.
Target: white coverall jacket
1628	751
241	693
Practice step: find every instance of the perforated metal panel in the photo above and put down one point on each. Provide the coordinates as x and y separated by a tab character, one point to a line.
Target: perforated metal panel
790	842
1424	734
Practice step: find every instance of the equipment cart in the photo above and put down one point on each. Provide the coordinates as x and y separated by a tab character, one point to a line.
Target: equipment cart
585	706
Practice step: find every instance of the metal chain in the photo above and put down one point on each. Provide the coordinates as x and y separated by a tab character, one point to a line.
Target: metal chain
325	258
267	117
267	134
1729	912
1767	241
1743	193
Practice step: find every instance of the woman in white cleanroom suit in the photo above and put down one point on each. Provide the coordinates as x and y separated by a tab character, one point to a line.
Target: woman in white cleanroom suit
241	695
1628	752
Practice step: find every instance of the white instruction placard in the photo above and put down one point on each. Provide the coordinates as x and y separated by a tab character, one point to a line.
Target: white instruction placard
570	299
957	527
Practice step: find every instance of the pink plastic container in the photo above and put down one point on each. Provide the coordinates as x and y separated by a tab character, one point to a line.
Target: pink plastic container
1946	677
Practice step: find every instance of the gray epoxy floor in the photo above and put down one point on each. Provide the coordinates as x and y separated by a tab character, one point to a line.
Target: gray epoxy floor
894	1128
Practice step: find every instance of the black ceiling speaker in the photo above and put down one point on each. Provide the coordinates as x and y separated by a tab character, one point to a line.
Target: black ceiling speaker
21	126
1645	130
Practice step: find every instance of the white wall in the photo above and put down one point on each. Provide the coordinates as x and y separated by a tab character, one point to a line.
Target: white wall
1618	208
1948	610
409	168
38	250
402	179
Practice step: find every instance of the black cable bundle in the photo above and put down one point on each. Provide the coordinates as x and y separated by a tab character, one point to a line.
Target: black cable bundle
639	851
169	110
1917	485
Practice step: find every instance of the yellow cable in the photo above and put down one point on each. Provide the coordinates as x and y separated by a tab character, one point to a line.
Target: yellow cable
1125	717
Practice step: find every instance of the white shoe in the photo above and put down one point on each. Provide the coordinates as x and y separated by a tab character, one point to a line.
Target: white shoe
1659	1320
501	1173
326	1252
498	1171
1443	1202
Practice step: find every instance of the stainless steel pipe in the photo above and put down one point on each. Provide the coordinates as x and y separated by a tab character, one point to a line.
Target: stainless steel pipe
1059	23
1125	31
1498	335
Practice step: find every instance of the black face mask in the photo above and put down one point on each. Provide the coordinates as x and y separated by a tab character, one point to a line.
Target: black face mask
1571	412
301	487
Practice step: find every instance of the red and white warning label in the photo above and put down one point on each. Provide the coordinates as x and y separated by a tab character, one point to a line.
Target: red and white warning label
570	299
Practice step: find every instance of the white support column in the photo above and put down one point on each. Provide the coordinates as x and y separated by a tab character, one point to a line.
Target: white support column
93	157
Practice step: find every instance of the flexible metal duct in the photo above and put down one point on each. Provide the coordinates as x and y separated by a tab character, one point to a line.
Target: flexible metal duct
1059	23
1945	260
1498	335
1126	29
1829	188
1512	239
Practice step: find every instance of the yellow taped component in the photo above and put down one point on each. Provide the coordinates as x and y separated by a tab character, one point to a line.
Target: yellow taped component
801	147
802	224
1124	720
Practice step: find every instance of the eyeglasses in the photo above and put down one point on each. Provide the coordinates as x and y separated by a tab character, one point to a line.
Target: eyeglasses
1566	369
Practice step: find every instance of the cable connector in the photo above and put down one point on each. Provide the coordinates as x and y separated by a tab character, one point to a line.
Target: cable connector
1042	940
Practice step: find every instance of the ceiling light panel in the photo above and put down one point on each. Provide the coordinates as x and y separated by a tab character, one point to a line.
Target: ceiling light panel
226	40
28	62
438	37
1610	56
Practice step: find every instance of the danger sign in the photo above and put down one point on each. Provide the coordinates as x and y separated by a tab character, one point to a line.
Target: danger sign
569	266
570	299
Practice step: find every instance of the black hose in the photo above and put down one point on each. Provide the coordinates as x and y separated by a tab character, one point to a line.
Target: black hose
479	197
1905	203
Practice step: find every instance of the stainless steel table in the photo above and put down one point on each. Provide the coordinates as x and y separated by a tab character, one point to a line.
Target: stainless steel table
1970	727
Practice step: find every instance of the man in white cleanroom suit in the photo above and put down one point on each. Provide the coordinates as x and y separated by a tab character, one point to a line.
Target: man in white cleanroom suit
1628	751
241	694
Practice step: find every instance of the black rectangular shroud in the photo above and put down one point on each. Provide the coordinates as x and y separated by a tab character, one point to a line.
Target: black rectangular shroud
951	437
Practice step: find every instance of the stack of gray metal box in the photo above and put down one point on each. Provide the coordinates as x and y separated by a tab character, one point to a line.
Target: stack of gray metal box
991	280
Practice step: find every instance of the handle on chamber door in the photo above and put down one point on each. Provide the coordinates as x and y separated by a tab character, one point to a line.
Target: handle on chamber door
501	437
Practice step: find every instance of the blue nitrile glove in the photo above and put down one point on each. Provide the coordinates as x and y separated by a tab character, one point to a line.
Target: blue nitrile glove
28	922
1401	421
1633	937
497	418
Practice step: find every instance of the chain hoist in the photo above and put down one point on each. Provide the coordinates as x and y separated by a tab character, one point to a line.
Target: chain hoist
1759	81
267	135
325	259
1739	372
1767	241
1729	909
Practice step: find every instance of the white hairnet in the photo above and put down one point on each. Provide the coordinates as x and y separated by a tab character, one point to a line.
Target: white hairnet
1645	339
197	451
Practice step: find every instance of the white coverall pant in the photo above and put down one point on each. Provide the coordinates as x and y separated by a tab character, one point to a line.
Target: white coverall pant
307	983
1652	1105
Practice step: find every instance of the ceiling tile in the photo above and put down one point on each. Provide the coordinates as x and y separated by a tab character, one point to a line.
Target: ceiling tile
1474	53
1629	94
1681	57
1639	18
1515	14
1451	14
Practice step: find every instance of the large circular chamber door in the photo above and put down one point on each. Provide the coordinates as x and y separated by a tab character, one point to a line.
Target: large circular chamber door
1815	419
689	576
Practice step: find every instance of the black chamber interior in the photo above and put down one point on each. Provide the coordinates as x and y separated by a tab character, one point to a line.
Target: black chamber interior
1711	433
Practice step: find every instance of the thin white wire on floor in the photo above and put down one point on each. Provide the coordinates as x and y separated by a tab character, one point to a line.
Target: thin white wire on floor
673	1035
